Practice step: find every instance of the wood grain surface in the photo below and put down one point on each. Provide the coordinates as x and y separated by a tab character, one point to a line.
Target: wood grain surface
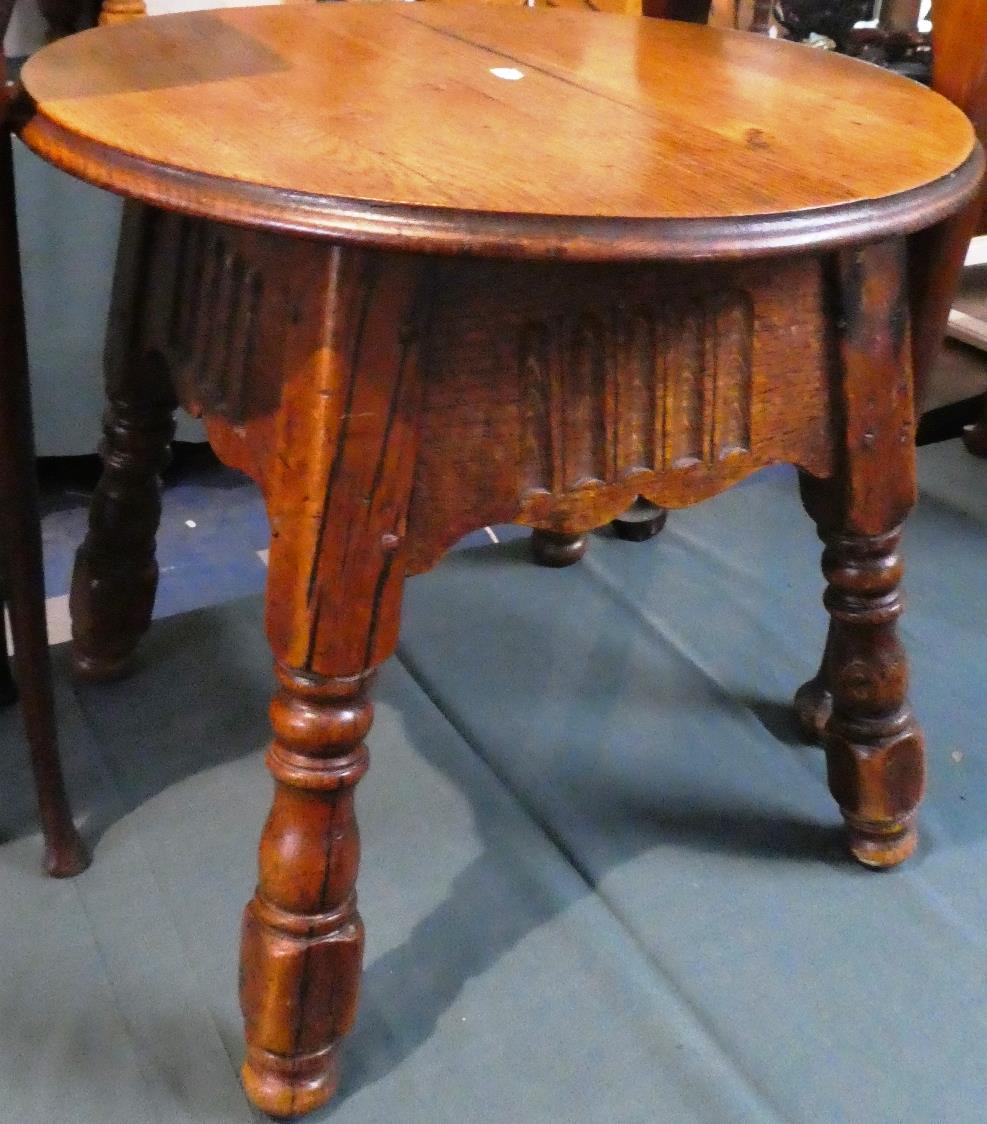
388	123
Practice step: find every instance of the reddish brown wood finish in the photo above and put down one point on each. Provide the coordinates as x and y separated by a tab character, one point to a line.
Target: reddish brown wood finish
122	107
388	403
873	745
377	399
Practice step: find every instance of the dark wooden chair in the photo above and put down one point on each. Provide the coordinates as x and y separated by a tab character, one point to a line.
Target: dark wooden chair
20	547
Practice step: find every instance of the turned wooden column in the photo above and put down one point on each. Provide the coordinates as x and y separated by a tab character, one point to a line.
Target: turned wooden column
337	492
858	700
302	944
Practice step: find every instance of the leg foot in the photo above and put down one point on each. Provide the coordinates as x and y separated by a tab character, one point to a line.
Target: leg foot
640	522
813	706
553	548
302	946
66	856
975	438
288	1087
880	846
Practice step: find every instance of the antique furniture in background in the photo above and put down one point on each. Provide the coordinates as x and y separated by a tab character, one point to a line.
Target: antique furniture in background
469	322
20	547
937	254
959	33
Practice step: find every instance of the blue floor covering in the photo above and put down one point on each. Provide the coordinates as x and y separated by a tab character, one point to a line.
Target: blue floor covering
602	879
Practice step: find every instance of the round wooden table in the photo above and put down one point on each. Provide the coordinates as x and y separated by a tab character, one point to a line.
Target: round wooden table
424	268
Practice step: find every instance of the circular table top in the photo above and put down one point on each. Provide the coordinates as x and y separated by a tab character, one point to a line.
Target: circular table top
522	132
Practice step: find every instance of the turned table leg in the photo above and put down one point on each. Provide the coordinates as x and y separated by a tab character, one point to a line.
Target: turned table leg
302	946
874	747
116	572
873	743
337	487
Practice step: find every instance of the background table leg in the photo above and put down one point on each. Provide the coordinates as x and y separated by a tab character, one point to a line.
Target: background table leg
116	573
555	548
814	699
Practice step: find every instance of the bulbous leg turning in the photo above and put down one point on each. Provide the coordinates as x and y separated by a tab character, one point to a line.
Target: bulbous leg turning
302	941
874	747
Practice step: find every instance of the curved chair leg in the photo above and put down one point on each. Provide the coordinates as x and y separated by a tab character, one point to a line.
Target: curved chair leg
65	853
554	548
20	537
8	685
640	522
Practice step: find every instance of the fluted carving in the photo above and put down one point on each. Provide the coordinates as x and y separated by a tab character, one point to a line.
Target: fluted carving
606	394
302	934
116	572
874	746
214	321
